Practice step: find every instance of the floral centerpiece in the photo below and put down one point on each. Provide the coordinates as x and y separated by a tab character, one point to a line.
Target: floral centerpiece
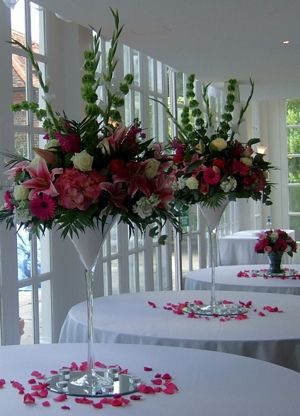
89	173
89	169
211	162
275	241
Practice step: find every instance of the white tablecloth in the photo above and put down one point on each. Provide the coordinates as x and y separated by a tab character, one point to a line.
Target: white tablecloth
128	318
209	383
226	279
238	248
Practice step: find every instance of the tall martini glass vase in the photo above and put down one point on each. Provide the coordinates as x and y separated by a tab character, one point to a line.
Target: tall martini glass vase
88	245
212	216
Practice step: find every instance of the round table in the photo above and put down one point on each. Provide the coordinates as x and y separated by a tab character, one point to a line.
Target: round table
227	279
130	318
208	382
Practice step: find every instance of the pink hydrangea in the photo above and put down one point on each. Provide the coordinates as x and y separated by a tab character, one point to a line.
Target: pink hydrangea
78	189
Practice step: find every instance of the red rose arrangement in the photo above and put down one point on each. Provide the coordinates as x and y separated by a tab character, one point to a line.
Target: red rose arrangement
275	241
211	163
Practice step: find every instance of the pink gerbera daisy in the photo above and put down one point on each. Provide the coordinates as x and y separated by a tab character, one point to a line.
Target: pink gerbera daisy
43	207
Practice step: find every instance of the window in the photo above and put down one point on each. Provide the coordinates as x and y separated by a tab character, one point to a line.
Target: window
293	136
27	27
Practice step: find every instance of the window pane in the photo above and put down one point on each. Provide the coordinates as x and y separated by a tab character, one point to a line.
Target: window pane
151	74
115	276
142	271
24	255
293	140
22	144
18	22
293	112
294	169
295	225
26	314
44	293
136	68
294	199
151	117
159	77
137	105
37	25
132	273
19	87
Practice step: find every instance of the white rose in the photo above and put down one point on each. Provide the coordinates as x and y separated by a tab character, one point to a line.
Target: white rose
82	161
192	183
20	192
246	160
218	144
151	168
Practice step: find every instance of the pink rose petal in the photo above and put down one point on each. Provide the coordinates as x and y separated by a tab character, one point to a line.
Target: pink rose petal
2	383
98	405
83	400
65	407
28	399
135	397
152	304
46	403
60	398
147	369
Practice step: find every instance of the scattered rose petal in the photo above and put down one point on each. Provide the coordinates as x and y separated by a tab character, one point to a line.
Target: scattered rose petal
65	407
31	381
261	314
152	304
60	398
147	369
53	372
2	383
99	364
37	374
143	388
17	385
135	397
157	389
74	366
28	399
171	388
46	403
116	402
166	376
157	375
157	381
98	405
84	400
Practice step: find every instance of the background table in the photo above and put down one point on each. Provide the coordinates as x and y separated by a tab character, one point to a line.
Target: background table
238	248
128	318
226	279
210	383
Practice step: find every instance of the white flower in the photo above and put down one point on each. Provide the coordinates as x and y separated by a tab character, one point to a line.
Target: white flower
218	144
228	184
20	192
83	161
192	183
21	215
151	168
144	206
246	160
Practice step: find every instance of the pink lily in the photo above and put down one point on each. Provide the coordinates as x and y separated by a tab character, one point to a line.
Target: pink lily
42	179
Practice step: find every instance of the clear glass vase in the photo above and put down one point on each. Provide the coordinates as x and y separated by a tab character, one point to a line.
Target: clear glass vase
212	216
91	382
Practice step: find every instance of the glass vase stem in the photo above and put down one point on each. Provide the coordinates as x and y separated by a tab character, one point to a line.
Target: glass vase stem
212	235
89	278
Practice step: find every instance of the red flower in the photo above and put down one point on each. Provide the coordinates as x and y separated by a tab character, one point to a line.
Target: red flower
70	142
220	163
212	175
240	167
43	207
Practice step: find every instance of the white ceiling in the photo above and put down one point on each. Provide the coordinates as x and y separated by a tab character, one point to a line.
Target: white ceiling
215	39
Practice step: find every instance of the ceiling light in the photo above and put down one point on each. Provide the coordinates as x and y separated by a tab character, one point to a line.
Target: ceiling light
286	42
